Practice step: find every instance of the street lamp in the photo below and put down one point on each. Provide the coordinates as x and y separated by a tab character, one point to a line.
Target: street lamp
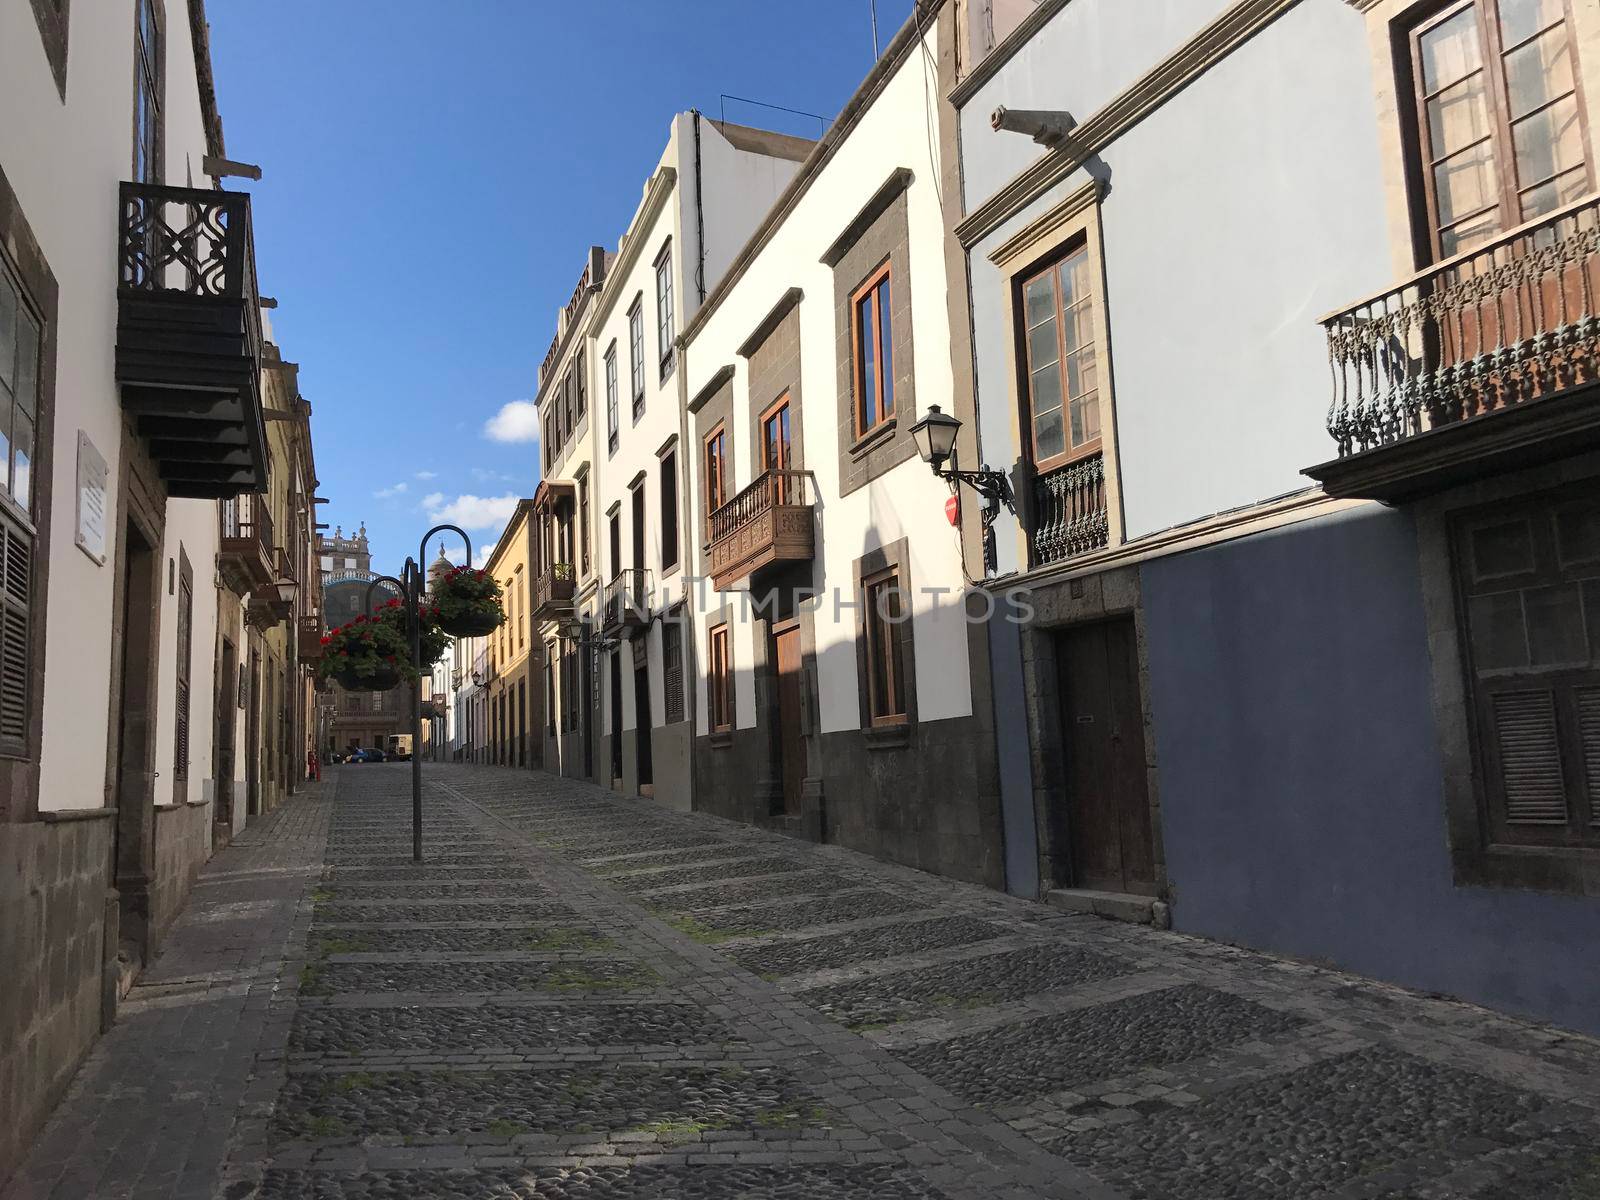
935	438
413	590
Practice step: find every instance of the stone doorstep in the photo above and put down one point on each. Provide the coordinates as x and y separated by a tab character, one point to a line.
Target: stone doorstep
1118	906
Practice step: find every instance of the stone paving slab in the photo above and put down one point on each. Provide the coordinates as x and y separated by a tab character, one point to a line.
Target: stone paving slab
817	1024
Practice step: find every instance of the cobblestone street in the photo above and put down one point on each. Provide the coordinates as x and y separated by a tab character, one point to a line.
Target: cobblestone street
578	995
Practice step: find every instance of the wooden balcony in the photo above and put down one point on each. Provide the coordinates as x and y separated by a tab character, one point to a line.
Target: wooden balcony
1068	513
553	589
188	358
245	556
274	604
627	606
770	522
1481	364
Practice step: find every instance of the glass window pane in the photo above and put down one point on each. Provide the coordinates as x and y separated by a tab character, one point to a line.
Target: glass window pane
1539	72
1505	548
1465	183
1450	51
867	378
1085	419
27	385
1075	279
6	419
22	464
886	349
1042	347
1555	625
1549	142
1048	435
1044	391
1547	197
1578	534
10	308
1521	19
1079	330
1038	301
1463	237
1458	117
1499	639
1080	373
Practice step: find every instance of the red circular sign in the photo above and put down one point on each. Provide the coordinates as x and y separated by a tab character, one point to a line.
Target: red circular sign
952	509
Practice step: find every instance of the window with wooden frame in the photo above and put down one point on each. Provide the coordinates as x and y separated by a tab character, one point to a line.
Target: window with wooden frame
1528	581
716	460
776	447
522	610
611	397
883	618
149	72
636	353
185	647
21	348
720	682
1062	397
583	522
665	321
872	351
672	669
1500	118
580	379
669	510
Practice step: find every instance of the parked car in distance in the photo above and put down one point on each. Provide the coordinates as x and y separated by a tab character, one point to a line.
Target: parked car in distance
367	755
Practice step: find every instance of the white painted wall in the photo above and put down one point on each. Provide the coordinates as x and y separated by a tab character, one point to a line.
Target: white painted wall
1237	213
907	501
64	161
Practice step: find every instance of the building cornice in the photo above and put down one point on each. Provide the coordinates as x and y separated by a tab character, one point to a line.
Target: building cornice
1199	54
899	180
1021	242
1019	37
918	25
200	39
763	331
632	245
712	386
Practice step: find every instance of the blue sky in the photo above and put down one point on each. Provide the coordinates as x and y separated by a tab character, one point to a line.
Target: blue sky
432	174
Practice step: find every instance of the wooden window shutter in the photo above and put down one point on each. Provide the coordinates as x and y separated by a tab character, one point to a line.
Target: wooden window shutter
180	750
17	549
1530	757
1589	746
672	673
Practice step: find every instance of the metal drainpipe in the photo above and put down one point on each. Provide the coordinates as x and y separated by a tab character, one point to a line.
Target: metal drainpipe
689	543
699	220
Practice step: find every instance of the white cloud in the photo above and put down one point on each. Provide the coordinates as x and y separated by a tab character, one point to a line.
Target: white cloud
484	552
427	474
432	501
389	493
515	422
472	512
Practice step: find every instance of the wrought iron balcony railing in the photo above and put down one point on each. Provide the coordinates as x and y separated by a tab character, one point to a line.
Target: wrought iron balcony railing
1069	511
768	522
189	336
627	603
1484	333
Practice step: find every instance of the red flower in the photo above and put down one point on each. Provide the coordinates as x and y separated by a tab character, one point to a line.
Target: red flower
326	640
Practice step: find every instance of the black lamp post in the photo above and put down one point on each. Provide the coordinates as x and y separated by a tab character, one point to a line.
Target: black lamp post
935	438
413	585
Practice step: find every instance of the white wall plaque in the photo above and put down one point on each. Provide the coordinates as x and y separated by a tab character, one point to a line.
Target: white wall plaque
91	535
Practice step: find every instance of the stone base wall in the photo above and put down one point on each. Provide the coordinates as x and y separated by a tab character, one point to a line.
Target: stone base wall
183	844
932	804
53	888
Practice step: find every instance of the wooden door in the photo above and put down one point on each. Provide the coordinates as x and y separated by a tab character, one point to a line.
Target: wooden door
226	710
643	726
786	654
1108	844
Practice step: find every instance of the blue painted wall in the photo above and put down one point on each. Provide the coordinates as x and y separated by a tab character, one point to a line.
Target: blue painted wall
1300	776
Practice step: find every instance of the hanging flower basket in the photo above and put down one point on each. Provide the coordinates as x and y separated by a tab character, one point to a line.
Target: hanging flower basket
369	654
468	602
